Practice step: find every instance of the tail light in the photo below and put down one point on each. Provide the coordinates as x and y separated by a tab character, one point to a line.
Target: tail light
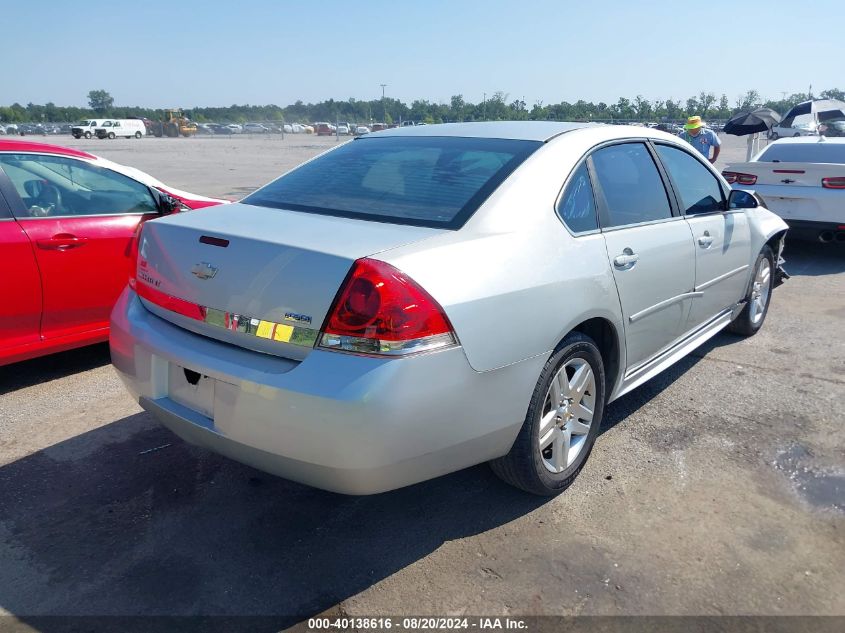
380	310
735	177
833	183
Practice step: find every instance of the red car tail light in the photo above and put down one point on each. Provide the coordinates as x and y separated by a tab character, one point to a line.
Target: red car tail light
735	177
833	183
381	310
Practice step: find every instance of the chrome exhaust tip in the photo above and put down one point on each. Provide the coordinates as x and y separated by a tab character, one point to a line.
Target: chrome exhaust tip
825	237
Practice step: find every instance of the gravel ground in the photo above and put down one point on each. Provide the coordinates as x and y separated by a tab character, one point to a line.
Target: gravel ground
717	488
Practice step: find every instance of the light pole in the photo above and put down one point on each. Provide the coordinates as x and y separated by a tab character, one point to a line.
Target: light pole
383	107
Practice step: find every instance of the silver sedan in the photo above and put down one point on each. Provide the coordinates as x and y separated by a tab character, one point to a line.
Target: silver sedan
424	299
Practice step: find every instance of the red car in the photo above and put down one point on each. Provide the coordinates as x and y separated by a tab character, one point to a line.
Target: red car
67	223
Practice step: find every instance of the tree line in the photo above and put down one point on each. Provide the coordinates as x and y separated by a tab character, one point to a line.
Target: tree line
499	106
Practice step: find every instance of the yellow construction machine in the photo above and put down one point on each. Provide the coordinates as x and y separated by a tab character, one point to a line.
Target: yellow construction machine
174	123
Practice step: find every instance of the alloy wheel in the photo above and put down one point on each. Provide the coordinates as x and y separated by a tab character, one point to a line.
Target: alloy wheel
760	291
567	414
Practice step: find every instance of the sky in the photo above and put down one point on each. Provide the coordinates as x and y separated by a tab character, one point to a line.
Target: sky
218	53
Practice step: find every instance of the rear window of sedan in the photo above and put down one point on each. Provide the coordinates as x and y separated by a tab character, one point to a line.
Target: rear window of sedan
819	152
422	181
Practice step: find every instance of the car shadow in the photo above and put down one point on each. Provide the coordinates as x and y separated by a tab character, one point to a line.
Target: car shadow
127	519
46	368
811	259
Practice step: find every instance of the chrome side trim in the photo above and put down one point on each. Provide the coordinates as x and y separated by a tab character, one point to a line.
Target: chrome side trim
648	370
716	280
667	302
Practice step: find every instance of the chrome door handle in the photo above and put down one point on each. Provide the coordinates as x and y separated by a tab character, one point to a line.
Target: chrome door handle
626	260
705	240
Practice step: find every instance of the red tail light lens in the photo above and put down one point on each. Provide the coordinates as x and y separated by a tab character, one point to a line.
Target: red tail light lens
380	310
735	177
833	183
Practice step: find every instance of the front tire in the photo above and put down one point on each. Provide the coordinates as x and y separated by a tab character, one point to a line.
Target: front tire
759	295
562	422
87	134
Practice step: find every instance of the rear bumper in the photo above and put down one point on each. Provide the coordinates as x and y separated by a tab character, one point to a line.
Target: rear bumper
824	232
346	423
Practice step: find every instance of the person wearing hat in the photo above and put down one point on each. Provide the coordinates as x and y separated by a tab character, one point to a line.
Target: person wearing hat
701	138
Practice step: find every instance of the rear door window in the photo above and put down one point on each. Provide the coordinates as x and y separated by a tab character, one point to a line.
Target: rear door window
698	188
630	185
423	181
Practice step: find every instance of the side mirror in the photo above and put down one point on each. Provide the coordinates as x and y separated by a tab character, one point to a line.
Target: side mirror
166	203
740	199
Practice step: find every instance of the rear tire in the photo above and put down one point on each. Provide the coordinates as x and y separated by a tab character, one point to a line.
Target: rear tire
774	136
137	135
759	295
562	422
111	135
87	134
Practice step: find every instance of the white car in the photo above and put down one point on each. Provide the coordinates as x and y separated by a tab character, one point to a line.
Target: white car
803	181
255	128
790	128
235	128
343	130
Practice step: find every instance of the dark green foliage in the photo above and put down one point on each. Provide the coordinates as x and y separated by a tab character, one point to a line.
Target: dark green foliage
494	106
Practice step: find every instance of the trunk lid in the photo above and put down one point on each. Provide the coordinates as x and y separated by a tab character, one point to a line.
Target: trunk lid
261	278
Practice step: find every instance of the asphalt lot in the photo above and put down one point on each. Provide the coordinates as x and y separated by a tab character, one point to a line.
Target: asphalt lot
717	488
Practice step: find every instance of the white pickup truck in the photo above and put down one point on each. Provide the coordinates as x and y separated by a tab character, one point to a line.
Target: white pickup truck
803	181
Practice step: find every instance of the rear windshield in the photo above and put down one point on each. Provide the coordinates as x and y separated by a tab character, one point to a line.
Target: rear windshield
423	181
821	152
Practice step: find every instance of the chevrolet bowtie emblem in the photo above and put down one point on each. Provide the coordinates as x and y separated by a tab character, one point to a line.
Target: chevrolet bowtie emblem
204	270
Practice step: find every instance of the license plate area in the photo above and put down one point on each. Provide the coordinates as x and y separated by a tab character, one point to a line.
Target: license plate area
191	389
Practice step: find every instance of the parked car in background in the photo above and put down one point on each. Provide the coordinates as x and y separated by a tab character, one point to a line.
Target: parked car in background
322	128
67	224
287	128
428	286
343	130
86	128
255	128
362	130
234	128
803	125
803	181
30	129
127	128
